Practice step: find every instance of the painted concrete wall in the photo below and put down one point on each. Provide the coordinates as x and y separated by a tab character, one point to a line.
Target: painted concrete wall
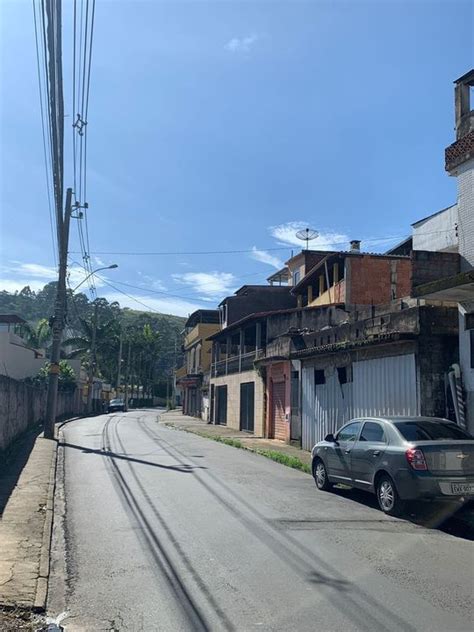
465	364
437	233
18	361
233	383
465	175
199	360
23	406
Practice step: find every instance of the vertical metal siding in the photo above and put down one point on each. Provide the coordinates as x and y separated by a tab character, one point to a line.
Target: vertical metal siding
325	407
385	386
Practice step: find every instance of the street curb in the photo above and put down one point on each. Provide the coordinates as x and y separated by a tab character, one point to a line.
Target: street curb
42	582
221	439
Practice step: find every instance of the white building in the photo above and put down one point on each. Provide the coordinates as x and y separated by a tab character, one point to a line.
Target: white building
436	233
17	359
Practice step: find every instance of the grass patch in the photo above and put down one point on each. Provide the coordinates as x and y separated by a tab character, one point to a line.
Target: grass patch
284	459
235	443
274	455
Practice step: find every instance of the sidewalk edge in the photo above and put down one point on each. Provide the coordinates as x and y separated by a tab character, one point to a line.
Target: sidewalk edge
222	439
44	566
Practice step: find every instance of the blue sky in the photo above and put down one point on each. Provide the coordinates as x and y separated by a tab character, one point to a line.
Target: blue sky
219	125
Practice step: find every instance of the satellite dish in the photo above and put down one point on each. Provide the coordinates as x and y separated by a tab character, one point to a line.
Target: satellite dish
307	234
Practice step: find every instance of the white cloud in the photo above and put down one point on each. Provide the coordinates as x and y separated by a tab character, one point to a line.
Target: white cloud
174	306
100	262
16	275
266	257
16	285
34	270
209	285
154	284
242	44
285	234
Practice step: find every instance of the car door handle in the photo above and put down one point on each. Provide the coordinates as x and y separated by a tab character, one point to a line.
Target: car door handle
347	451
375	452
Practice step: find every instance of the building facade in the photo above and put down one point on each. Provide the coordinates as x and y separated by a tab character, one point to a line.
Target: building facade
391	360
193	377
458	287
237	386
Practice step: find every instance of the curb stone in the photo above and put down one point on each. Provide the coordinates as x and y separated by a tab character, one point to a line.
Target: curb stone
248	448
42	583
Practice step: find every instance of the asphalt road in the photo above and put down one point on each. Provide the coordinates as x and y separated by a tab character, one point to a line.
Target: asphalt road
159	529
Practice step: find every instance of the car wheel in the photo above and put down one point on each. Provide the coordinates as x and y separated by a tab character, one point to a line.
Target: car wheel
388	498
321	476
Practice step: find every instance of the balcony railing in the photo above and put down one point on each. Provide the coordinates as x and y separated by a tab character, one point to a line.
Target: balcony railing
235	364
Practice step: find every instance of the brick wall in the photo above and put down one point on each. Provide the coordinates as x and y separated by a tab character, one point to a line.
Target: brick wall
459	151
431	266
372	279
233	383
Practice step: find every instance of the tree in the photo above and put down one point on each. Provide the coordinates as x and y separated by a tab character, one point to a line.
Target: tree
106	345
38	336
67	376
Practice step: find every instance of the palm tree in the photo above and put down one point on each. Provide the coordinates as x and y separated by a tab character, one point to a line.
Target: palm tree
106	346
38	336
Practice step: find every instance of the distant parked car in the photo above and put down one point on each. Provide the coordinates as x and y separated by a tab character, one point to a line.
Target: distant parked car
398	459
115	405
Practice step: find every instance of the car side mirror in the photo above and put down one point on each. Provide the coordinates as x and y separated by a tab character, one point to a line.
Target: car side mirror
330	438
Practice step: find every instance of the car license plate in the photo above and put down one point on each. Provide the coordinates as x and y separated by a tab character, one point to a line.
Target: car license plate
462	488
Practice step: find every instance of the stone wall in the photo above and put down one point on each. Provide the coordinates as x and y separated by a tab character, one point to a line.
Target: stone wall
23	406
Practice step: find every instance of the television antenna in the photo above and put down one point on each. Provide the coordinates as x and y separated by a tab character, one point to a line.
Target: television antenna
307	234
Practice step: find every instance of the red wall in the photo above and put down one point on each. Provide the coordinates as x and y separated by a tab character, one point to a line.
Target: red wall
370	280
278	372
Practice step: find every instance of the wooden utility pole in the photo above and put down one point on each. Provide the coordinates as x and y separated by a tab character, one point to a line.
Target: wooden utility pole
58	321
127	375
92	361
119	369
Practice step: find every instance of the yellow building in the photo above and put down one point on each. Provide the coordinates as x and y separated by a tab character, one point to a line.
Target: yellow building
193	377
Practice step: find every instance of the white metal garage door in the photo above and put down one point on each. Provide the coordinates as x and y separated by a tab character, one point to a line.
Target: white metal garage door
384	386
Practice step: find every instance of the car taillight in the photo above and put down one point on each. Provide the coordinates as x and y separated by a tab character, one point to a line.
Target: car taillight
416	459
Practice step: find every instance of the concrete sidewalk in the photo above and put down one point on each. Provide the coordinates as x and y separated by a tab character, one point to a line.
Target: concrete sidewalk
191	424
25	526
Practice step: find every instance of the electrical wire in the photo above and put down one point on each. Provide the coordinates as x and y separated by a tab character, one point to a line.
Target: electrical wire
148	290
45	150
82	62
133	298
375	240
220	252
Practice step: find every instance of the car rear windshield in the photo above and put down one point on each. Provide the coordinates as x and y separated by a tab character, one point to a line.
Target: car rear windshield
431	431
116	401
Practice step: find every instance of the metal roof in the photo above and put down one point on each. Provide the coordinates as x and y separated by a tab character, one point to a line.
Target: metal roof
468	78
12	319
210	316
346	345
420	221
257	315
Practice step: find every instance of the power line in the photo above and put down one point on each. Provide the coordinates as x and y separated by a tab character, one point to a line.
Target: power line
82	61
374	240
45	151
226	252
133	298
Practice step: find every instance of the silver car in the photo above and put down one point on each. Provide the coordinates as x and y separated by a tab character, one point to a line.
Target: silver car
398	459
